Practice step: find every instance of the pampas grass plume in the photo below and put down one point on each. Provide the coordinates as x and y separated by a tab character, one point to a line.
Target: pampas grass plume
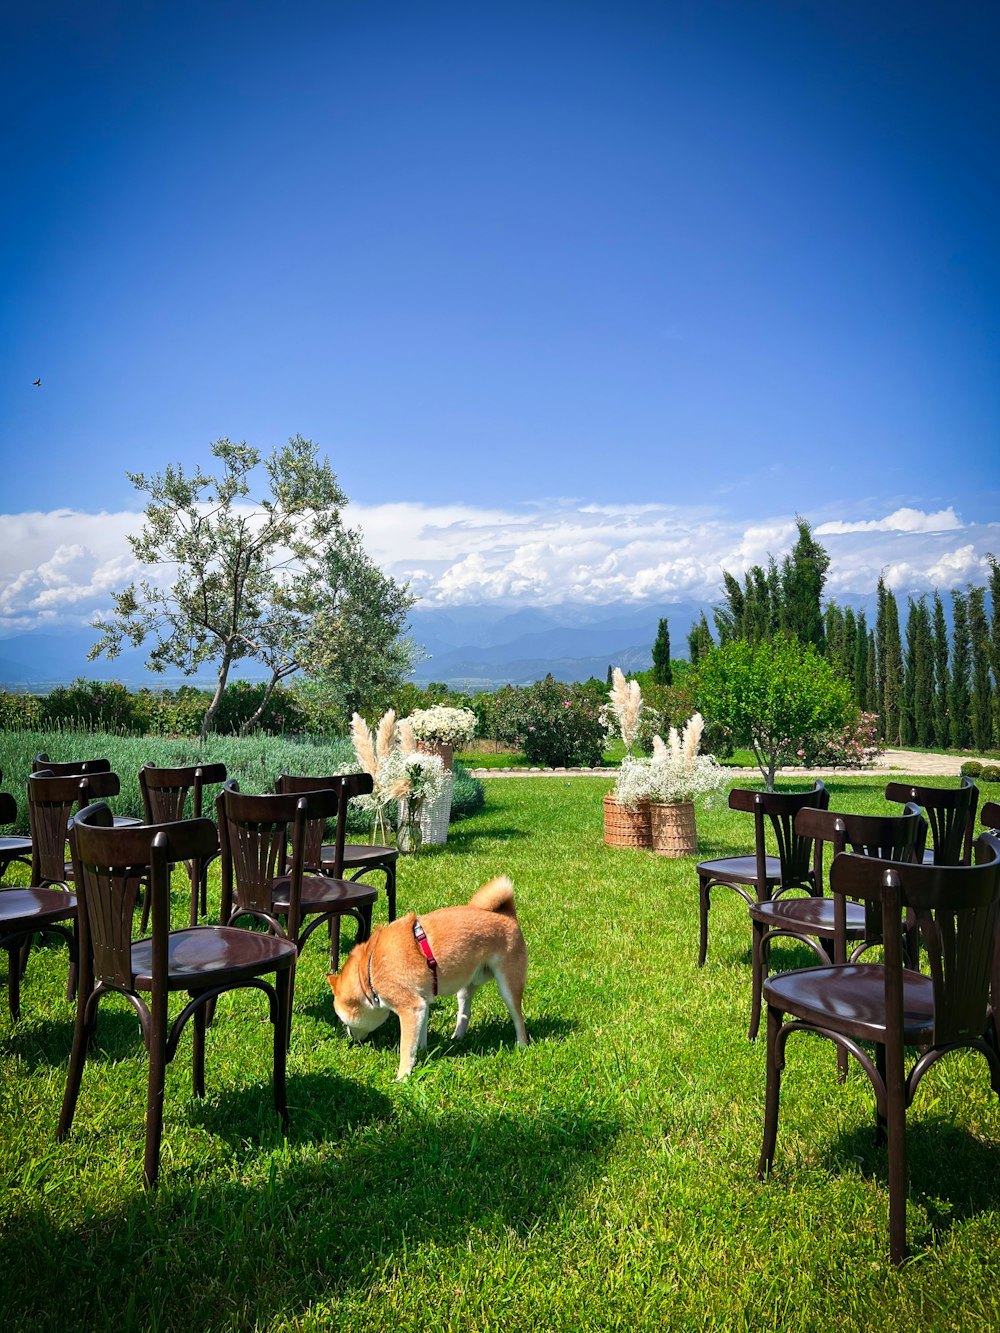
385	737
361	738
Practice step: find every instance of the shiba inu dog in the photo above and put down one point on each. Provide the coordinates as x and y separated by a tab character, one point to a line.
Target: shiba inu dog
451	951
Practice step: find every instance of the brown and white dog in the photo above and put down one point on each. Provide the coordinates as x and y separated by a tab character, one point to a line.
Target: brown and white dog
451	951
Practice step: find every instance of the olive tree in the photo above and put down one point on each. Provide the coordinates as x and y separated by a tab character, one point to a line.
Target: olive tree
778	697
271	580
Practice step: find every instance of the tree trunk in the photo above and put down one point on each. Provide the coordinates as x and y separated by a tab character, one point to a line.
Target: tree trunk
208	721
258	713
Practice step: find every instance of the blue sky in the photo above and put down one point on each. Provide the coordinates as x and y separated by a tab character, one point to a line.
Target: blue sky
584	301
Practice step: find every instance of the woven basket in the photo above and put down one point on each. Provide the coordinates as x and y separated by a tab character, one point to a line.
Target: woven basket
672	828
624	827
435	815
445	753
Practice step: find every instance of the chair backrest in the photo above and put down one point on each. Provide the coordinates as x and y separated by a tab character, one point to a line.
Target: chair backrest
950	812
990	816
109	867
345	785
956	909
254	833
781	808
51	802
165	791
67	768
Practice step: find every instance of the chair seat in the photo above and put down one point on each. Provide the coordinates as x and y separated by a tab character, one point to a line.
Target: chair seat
322	893
812	916
127	821
209	956
359	854
742	869
41	906
11	846
852	997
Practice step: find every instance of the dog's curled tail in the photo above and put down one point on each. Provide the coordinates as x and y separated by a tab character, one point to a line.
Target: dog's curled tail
496	896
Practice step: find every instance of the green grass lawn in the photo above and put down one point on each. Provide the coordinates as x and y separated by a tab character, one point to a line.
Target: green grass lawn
602	1179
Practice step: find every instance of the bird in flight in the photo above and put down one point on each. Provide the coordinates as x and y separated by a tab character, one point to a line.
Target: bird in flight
37	383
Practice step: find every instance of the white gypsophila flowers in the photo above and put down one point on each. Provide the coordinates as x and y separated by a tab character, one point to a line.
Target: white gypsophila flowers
416	775
676	772
443	725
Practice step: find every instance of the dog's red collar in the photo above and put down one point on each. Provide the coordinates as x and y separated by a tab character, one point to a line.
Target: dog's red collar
420	936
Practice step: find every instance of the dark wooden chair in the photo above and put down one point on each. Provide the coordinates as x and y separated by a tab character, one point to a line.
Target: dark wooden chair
203	961
341	858
259	879
990	816
950	813
51	803
827	924
956	908
27	912
170	794
13	849
758	877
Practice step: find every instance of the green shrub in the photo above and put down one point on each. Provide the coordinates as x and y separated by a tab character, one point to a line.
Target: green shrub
990	773
19	710
556	725
972	768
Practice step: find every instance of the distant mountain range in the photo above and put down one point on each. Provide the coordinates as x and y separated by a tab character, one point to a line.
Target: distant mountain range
476	647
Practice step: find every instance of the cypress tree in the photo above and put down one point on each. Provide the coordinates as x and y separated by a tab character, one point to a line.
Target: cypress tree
803	574
662	671
995	642
942	676
891	667
833	632
982	687
861	695
923	678
871	678
700	639
907	720
849	649
959	693
729	617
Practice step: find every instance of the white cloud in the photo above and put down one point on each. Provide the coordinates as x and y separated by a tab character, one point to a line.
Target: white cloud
60	567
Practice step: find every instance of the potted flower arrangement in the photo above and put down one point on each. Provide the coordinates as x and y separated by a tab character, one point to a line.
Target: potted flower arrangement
669	781
400	773
626	809
440	730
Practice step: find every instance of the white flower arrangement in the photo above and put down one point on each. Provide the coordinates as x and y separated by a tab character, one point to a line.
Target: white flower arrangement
398	770
675	772
441	725
622	716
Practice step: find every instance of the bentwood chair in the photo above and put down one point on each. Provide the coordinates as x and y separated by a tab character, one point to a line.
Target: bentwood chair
826	924
950	813
13	849
341	857
260	881
110	866
170	794
27	912
990	815
760	876
956	908
51	802
68	768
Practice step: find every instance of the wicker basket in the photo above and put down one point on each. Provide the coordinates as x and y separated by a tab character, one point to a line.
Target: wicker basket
435	815
624	827
672	828
445	753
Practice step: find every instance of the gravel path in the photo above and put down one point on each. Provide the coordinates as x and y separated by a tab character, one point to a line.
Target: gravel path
911	762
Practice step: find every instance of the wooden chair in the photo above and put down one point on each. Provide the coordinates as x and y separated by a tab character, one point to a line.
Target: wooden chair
68	768
27	912
259	881
205	961
957	909
170	794
51	803
990	816
341	857
761	876
950	813
823	923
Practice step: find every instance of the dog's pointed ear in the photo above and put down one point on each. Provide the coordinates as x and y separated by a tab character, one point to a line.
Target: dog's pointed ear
332	980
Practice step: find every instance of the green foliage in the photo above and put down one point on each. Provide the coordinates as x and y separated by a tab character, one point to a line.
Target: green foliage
990	773
959	699
803	574
777	696
662	671
556	725
889	658
971	768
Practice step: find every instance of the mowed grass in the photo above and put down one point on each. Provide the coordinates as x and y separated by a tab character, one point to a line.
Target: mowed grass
602	1179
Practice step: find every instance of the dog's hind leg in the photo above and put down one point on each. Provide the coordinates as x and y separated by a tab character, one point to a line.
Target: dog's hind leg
464	1011
511	988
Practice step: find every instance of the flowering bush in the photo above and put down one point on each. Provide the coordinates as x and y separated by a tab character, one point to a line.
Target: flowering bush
443	725
855	745
675	772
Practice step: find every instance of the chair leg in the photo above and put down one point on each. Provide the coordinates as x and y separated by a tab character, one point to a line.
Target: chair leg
772	1095
198	1055
896	1127
83	1032
390	890
194	871
704	904
334	933
758	971
282	1027
154	1096
880	1121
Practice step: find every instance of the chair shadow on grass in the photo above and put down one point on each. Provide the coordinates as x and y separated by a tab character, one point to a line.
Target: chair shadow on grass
340	1217
951	1172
